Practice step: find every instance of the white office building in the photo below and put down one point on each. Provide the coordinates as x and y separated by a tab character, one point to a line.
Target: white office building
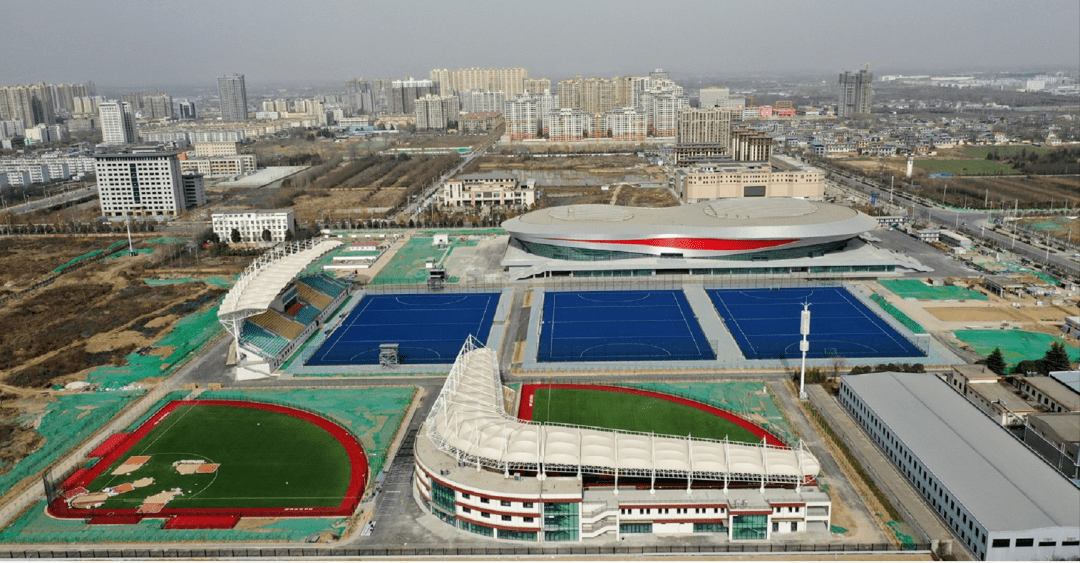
1002	501
139	182
252	224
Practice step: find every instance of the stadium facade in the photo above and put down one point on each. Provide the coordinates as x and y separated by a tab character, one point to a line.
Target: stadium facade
720	237
482	470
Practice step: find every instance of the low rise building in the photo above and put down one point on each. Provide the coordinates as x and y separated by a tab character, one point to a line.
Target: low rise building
1048	393
487	189
998	497
477	123
215	148
986	391
253	225
779	177
215	166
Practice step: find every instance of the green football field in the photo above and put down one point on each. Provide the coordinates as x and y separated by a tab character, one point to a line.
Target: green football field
267	459
625	411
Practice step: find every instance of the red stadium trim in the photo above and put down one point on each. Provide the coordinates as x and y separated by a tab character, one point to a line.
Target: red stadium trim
357	462
528	390
693	243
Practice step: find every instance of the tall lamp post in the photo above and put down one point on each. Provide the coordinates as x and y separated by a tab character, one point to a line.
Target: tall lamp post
804	346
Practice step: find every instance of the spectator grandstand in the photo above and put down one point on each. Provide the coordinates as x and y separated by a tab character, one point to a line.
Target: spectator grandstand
270	310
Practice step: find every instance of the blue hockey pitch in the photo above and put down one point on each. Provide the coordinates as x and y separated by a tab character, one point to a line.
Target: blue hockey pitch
428	328
595	326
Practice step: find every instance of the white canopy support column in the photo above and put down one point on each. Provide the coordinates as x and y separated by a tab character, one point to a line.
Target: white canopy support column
799	481
616	464
764	463
727	464
652	482
689	462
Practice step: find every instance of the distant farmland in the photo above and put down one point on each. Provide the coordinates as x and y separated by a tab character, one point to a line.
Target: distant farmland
965	167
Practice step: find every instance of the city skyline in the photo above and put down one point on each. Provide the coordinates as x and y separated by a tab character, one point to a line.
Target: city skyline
273	42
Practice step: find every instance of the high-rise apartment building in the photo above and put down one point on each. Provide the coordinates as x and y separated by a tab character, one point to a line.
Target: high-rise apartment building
403	94
481	101
186	109
704	125
158	106
568	124
233	98
117	123
510	81
139	182
536	85
522	117
32	104
358	95
436	112
625	124
854	93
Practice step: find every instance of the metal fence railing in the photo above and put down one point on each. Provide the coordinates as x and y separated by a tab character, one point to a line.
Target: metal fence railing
443	552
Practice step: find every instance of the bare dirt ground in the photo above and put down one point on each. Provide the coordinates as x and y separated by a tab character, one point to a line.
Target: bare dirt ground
1019	190
1003	313
598	165
646	197
90	316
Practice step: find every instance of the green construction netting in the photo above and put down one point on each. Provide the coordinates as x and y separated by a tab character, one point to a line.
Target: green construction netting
837	529
740	397
168	240
77	259
123	253
904	533
898	314
35	526
67	421
216	280
188	336
1016	345
462	232
919	290
372	414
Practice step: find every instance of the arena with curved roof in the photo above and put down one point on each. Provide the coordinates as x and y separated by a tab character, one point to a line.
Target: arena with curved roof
727	236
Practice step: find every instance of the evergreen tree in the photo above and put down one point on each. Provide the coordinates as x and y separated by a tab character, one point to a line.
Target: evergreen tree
995	362
1056	358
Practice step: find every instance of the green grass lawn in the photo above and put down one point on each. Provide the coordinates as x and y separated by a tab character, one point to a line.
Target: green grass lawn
965	167
267	459
625	411
1004	151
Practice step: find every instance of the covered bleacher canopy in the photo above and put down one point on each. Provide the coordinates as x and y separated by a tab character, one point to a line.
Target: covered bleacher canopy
271	272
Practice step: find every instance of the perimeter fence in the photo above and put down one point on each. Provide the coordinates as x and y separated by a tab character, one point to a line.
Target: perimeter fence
465	552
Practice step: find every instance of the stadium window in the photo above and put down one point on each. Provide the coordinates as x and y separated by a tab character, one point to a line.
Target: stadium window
1048	544
1025	542
504	503
465	495
485	515
1070	543
466	510
484	501
505	518
528	519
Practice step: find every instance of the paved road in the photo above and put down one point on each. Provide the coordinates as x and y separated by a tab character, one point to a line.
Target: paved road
903	497
969	222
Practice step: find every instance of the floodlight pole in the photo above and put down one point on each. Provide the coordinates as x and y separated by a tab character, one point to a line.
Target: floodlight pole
804	346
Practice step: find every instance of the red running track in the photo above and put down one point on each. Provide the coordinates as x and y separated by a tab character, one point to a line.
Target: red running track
357	461
528	390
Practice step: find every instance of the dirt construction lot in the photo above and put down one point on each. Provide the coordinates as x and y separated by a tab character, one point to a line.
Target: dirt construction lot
1003	313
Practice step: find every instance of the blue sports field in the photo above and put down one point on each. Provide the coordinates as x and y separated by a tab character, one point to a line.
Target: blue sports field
428	328
595	326
765	324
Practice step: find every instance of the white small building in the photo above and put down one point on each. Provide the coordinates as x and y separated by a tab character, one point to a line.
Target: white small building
1071	327
252	224
487	189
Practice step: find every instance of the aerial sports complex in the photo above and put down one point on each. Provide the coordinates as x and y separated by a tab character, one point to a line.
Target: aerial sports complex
722	289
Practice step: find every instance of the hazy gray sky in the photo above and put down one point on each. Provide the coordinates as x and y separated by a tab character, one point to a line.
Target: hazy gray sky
146	42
